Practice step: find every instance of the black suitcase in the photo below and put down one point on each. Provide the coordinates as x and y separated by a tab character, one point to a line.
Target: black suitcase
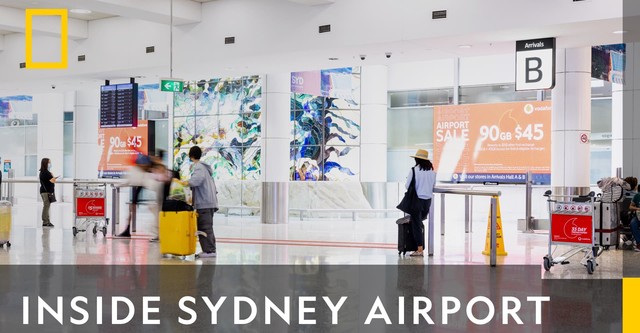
406	241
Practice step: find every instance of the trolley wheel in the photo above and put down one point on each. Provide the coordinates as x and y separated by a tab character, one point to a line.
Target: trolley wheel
547	264
104	231
95	229
1	245
8	244
75	231
606	247
591	267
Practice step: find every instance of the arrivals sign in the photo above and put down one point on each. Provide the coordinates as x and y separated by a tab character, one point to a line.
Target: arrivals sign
535	64
501	142
120	147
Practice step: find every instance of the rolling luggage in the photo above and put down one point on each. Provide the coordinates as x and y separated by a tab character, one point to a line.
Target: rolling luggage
406	242
606	224
178	233
5	223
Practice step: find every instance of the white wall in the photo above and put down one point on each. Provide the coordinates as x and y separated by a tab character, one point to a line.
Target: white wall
484	70
421	75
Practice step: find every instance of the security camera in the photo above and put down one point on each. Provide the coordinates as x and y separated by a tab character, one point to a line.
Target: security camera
388	55
362	57
53	86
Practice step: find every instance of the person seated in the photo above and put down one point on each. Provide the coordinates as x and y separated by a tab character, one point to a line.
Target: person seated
634	208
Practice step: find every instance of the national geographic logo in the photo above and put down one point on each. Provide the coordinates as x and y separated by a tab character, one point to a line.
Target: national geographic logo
64	38
630	292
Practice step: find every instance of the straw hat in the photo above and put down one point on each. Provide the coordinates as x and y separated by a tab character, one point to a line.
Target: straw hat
421	154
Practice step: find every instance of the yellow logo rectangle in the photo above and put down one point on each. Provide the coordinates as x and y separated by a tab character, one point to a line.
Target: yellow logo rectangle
630	294
64	38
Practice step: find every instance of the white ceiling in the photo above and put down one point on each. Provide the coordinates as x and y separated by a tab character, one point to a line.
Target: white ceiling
24	4
281	35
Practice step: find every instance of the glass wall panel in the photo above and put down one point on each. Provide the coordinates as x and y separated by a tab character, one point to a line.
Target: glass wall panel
404	99
495	94
68	167
15	149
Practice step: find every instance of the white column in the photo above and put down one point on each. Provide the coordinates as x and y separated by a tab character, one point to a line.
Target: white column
85	144
373	139
617	126
626	130
571	122
50	110
276	129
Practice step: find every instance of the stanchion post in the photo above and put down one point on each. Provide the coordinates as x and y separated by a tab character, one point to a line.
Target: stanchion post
114	209
442	214
471	214
528	191
134	209
494	229
431	227
466	214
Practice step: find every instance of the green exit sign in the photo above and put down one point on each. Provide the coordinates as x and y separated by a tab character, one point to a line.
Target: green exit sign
172	85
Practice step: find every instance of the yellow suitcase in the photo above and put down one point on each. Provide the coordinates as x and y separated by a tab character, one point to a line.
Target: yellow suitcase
5	223
178	233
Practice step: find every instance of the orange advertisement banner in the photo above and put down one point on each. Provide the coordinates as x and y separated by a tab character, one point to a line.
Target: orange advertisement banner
120	147
493	142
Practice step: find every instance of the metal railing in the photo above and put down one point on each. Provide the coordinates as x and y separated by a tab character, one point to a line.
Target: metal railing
468	217
116	185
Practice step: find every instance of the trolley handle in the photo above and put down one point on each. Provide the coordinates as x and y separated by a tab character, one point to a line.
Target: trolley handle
549	196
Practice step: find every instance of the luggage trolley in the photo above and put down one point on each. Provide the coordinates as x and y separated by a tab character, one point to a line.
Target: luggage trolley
572	223
90	207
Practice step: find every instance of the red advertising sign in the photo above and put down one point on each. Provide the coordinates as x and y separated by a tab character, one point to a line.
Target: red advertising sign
90	207
572	228
120	146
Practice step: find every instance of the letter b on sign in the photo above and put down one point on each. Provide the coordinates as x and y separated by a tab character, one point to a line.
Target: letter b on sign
535	64
533	72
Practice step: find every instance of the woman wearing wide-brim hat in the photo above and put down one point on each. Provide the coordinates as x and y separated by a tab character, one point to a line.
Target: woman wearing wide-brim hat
425	181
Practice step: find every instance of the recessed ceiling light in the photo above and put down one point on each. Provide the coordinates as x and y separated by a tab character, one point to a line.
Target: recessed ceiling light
464	46
80	11
620	32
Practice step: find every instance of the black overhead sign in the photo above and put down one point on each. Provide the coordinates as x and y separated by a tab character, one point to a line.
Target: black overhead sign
119	105
535	64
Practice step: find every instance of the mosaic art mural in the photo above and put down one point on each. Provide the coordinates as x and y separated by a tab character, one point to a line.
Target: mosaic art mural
222	116
325	135
17	110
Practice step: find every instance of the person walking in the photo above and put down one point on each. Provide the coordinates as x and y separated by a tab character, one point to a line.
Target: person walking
425	181
47	187
205	201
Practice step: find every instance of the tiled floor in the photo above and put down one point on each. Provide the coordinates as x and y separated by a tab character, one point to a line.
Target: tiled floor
243	240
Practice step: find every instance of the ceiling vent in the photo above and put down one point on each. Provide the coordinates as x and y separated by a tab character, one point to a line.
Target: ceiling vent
229	40
439	14
324	28
151	49
23	65
82	57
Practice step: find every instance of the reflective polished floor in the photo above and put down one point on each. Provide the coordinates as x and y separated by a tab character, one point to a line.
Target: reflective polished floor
244	240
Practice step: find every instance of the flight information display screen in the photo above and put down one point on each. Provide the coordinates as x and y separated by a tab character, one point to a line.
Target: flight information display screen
119	105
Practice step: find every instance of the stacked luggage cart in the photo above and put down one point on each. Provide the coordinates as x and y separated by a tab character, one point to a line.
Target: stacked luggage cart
90	207
573	223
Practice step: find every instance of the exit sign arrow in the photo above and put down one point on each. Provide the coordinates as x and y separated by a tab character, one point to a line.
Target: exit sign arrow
171	85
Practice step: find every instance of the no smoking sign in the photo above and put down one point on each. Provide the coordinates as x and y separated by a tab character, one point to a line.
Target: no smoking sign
584	138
